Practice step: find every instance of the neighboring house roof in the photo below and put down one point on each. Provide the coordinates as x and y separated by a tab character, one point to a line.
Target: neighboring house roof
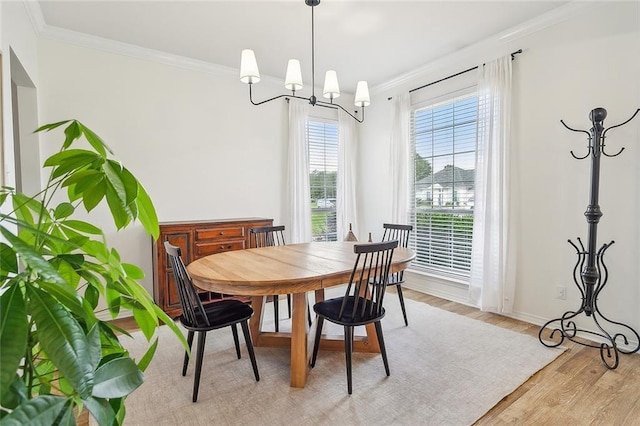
447	176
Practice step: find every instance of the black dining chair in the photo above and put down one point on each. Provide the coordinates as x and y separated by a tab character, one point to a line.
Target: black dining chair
362	301
401	234
200	319
268	236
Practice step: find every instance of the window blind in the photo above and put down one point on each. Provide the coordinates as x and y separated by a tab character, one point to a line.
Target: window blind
322	138
443	140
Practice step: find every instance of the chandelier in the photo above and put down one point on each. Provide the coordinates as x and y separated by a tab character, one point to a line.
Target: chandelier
250	75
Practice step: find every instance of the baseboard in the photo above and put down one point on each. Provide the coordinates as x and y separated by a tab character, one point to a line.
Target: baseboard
457	293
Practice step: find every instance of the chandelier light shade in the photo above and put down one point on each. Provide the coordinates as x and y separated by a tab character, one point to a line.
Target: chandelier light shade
250	75
362	94
293	79
331	87
249	67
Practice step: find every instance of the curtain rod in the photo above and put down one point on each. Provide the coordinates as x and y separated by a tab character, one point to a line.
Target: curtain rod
513	56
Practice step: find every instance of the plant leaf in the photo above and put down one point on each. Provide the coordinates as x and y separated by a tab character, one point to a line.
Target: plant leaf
33	259
81	226
63	210
66	296
14	332
72	132
63	340
96	142
117	378
120	215
146	320
16	395
112	170
42	410
78	157
51	126
147	213
130	185
8	261
133	271
95	348
100	410
92	296
148	356
92	197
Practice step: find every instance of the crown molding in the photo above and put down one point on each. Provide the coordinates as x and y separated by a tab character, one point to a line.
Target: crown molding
131	50
111	46
35	14
499	40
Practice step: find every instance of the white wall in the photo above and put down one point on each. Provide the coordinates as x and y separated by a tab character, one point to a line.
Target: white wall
192	138
17	35
590	60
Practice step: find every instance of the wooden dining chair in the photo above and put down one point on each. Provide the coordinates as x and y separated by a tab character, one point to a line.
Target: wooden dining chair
401	234
197	318
362	301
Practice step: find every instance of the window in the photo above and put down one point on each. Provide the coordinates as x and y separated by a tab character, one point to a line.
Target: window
443	138
322	137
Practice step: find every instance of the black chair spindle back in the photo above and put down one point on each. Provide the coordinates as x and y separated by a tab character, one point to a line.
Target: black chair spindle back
192	308
400	233
368	279
267	236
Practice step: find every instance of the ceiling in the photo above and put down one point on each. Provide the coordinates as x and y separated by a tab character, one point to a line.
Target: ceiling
362	40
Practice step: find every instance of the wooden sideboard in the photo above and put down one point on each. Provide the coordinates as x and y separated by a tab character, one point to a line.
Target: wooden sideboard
196	239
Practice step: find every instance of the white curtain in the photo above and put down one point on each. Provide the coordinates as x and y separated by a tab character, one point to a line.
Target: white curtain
346	212
299	202
492	283
399	159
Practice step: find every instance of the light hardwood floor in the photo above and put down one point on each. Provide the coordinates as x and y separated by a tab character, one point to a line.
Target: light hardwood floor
574	389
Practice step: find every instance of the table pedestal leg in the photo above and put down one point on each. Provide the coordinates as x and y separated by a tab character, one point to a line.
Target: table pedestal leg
255	323
299	351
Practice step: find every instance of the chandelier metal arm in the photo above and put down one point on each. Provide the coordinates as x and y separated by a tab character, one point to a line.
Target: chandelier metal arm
250	74
267	100
336	106
318	103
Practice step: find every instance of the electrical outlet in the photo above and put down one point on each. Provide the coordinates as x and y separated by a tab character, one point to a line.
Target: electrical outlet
561	292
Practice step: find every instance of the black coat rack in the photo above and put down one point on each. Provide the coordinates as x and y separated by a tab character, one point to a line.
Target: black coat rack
590	274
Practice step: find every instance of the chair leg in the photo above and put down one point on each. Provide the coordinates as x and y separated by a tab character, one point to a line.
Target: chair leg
316	344
404	311
383	350
348	352
276	314
234	330
202	335
249	342
185	364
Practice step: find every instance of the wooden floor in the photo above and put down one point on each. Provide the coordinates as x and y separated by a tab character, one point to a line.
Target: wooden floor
574	389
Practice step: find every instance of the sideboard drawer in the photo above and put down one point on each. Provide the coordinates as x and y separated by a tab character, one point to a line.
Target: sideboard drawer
219	233
205	249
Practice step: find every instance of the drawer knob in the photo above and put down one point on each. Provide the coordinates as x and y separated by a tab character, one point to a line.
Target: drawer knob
221	233
221	247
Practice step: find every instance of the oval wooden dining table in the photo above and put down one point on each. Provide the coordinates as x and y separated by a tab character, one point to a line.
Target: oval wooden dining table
289	269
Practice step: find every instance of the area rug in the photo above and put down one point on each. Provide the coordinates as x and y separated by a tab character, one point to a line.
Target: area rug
446	369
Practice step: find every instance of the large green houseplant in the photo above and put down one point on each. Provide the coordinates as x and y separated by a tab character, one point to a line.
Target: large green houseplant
56	354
